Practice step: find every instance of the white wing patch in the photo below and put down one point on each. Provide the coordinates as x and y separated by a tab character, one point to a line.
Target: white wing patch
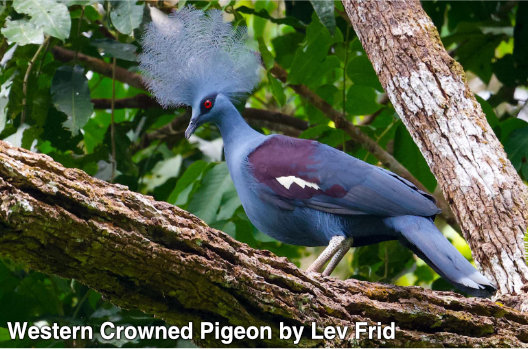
287	181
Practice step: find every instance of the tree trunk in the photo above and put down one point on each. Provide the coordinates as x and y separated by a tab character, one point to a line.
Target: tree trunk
152	256
429	91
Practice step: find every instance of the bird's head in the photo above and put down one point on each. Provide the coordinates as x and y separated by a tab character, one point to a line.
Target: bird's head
189	55
208	109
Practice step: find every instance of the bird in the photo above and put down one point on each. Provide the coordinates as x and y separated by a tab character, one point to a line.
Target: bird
297	191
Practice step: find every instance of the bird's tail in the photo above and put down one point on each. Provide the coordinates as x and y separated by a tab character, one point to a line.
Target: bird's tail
427	242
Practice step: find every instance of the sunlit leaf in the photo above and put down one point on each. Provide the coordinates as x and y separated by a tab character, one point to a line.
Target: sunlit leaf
205	203
78	2
126	15
277	90
23	32
267	57
163	170
192	174
49	15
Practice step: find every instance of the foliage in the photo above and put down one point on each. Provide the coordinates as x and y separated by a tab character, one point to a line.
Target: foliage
62	107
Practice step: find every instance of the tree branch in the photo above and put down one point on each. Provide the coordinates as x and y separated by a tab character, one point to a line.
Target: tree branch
140	101
99	66
152	256
276	121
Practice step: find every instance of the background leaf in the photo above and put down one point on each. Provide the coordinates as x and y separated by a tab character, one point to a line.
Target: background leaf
126	15
517	149
49	15
71	95
407	152
307	59
325	12
23	32
205	203
112	48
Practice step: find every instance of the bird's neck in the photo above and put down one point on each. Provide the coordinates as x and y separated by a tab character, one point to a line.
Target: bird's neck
236	133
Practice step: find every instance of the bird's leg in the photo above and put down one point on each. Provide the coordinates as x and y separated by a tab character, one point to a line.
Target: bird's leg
329	251
343	249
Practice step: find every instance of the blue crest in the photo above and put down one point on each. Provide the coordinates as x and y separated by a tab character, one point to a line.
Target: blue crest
191	54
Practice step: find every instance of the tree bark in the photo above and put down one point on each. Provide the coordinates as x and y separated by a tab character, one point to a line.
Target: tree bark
152	256
429	91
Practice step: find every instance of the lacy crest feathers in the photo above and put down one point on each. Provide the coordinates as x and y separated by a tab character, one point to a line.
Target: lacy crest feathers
191	54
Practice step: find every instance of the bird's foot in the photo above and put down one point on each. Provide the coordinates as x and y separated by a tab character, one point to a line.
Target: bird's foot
343	249
336	249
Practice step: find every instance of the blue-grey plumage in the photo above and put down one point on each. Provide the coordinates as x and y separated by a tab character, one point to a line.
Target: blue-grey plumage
298	191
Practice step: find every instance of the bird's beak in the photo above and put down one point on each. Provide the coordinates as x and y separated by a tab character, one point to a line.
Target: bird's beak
191	128
193	125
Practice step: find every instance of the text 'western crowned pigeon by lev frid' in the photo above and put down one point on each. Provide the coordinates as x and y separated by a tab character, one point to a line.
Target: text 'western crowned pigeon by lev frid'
298	191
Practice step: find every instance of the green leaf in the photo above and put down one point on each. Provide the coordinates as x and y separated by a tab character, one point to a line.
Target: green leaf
192	173
301	10
326	134
264	14
492	118
424	274
517	148
127	16
206	201
475	50
520	36
162	171
71	95
78	2
307	61
361	72
49	15
441	284
95	130
267	57
4	99
407	152
113	48
230	204
284	47
277	90
506	71
361	100
4	335
23	32
325	12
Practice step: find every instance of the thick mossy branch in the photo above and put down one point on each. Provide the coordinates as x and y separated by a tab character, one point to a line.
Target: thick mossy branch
149	255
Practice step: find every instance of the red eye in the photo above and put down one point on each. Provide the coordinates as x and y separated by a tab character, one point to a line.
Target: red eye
207	104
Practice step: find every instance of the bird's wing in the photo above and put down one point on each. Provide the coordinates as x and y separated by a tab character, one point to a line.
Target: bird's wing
295	172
